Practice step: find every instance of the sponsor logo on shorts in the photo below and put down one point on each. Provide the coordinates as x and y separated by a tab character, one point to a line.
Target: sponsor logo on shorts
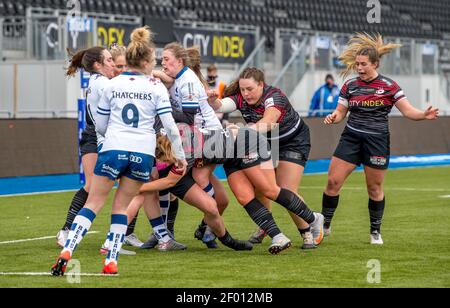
378	160
109	169
251	158
136	159
122	157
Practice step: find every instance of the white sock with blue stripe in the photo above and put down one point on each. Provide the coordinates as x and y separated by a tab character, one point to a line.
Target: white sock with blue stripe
164	203
210	190
160	229
81	225
117	231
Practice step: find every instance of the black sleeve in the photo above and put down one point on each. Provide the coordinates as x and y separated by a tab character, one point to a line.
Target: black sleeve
183	117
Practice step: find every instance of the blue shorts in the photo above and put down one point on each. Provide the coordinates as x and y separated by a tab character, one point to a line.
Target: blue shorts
115	164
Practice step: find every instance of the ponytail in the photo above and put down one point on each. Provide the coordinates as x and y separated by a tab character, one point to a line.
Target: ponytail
85	59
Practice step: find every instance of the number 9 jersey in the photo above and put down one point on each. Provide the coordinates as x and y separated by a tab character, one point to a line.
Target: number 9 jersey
132	102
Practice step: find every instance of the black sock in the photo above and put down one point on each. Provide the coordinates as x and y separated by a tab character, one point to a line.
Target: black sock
132	225
293	203
376	211
78	202
172	215
262	217
304	231
329	206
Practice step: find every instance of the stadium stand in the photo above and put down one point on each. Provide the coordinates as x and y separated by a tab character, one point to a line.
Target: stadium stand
404	18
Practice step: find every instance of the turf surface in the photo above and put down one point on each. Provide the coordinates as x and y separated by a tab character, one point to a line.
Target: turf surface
415	230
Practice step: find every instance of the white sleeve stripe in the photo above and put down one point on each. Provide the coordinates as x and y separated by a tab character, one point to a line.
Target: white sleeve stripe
343	101
102	113
164	112
160	109
399	94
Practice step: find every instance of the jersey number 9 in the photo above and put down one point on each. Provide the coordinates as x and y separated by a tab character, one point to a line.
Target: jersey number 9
132	110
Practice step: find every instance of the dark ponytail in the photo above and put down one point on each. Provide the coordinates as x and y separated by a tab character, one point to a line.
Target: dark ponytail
85	59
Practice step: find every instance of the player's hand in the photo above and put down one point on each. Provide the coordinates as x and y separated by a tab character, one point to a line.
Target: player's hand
212	94
431	113
181	166
330	119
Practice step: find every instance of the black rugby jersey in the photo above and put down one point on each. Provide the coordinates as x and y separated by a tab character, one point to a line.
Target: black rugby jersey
370	103
220	147
289	121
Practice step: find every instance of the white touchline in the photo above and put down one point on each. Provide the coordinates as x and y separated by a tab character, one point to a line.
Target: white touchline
445	197
386	189
38	193
49	274
36	239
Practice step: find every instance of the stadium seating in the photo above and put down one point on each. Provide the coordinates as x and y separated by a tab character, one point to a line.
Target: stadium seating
405	18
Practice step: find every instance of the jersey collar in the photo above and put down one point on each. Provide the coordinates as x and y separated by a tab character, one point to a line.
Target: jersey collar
131	74
182	72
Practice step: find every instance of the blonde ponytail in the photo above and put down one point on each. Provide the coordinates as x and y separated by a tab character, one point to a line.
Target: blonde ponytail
141	47
363	44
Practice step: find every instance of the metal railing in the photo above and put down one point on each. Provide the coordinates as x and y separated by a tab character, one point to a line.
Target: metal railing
294	70
256	58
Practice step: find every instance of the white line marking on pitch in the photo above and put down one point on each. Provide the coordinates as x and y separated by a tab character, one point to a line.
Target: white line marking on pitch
39	193
445	197
37	239
387	189
49	274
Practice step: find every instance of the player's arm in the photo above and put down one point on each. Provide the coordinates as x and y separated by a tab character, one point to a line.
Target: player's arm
182	117
338	115
164	111
226	105
412	113
166	79
190	99
162	184
103	114
269	121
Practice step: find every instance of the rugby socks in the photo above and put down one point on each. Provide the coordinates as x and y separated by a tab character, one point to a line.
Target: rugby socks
293	203
172	215
329	206
78	202
116	236
160	230
210	190
376	211
262	217
132	225
202	227
81	225
164	202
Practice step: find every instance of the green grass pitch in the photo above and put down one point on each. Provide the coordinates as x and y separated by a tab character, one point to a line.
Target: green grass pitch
416	232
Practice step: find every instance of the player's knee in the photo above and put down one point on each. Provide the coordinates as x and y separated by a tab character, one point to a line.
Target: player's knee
333	184
272	193
245	199
375	190
211	209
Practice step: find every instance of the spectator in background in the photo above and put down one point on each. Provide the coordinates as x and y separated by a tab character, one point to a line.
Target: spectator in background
325	100
218	87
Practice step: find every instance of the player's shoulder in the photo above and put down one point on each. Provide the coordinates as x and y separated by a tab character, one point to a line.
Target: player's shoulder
388	82
351	81
99	80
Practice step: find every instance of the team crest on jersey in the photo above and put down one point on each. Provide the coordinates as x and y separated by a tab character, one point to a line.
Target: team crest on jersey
380	92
